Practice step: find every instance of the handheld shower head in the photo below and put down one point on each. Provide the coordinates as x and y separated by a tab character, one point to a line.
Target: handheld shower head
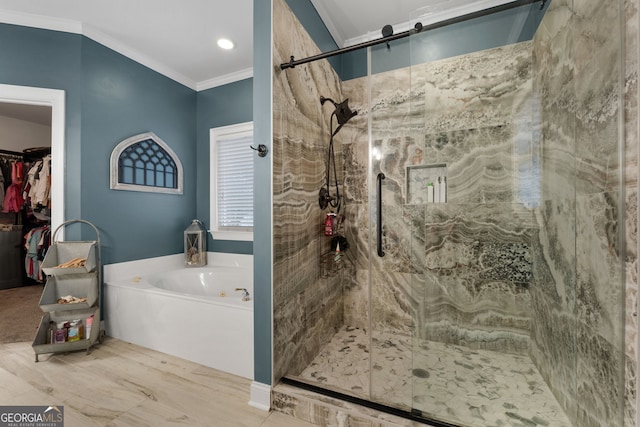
343	113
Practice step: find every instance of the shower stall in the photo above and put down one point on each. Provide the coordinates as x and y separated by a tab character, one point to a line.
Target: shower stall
482	192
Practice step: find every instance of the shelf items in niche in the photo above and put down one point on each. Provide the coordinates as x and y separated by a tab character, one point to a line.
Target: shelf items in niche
427	184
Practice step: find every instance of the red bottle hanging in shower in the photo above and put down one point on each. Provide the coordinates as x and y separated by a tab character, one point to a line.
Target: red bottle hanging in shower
330	224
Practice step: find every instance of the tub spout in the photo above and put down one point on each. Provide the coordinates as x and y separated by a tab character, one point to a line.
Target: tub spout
245	294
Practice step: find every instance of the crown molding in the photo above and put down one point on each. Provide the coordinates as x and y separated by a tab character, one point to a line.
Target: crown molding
372	35
137	56
76	27
226	79
40	21
427	17
323	11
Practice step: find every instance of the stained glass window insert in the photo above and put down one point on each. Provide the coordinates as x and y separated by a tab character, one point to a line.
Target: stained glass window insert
145	163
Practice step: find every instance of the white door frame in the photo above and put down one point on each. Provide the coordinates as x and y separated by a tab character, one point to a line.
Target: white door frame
54	98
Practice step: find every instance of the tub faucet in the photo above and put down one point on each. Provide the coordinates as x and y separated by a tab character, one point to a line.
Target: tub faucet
245	294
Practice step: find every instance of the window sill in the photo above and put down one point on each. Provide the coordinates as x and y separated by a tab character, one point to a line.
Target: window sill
232	235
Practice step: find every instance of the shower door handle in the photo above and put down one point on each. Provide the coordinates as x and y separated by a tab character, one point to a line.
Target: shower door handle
379	214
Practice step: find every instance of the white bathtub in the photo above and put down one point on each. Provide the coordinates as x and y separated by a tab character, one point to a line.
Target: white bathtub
192	313
220	284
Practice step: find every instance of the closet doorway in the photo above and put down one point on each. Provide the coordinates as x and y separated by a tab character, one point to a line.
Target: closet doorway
32	122
55	99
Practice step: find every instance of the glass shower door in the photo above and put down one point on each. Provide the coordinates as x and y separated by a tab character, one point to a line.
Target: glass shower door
475	187
395	227
480	307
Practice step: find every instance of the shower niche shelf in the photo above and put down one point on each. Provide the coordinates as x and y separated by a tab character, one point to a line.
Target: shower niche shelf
427	184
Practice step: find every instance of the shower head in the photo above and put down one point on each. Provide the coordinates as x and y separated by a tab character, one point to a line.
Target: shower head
343	113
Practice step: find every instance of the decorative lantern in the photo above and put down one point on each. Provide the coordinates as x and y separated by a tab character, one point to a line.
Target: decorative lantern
195	244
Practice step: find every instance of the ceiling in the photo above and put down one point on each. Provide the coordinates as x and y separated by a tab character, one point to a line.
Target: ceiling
355	21
178	38
38	114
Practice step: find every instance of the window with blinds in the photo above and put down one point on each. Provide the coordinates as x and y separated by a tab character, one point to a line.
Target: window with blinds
232	182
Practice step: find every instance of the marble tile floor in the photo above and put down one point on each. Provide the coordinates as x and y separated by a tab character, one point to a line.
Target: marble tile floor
121	384
474	388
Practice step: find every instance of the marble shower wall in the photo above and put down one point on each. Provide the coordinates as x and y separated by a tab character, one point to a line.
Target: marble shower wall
307	291
456	272
577	334
631	24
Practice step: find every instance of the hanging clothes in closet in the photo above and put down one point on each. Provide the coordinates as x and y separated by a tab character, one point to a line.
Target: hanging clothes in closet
26	181
13	199
37	212
2	181
7	158
37	242
11	234
38	185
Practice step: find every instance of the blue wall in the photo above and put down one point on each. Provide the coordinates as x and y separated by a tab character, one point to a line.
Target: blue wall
219	106
263	192
121	98
49	59
316	28
445	41
485	32
109	98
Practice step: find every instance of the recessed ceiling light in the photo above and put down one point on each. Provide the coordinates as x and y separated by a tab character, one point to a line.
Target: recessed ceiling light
225	44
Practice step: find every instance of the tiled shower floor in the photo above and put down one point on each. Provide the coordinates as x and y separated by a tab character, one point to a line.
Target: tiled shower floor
446	382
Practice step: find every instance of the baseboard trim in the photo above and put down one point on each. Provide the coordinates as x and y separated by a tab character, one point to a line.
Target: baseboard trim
260	396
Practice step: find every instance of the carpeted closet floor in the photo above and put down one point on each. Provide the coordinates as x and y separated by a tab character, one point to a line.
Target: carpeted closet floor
20	313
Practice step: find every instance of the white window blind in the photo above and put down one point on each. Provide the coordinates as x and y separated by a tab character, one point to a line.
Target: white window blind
232	181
